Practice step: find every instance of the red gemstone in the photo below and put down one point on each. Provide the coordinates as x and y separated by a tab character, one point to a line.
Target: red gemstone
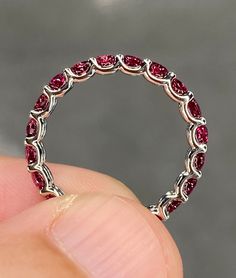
38	180
42	103
202	134
49	196
106	60
57	82
31	154
194	109
199	161
132	61
173	205
190	185
179	87
31	129
159	217
158	70
80	68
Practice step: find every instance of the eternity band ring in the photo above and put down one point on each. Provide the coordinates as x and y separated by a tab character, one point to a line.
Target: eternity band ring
62	83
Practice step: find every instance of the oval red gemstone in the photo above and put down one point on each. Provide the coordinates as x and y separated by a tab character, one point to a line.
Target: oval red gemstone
190	185
132	61
38	180
49	196
202	134
158	70
80	68
57	82
194	109
42	103
31	154
179	87
173	205
31	128
159	217
199	161
106	60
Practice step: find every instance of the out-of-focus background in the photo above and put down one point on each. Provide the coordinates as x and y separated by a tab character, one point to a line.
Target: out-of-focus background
124	126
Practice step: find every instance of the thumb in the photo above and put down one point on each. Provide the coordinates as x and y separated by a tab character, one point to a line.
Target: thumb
92	235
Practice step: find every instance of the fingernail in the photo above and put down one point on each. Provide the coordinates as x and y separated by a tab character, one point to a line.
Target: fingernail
108	237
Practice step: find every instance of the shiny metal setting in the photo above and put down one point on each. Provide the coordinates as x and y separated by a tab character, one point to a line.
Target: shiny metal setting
177	193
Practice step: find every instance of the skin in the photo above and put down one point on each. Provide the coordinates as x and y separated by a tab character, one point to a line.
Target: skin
99	229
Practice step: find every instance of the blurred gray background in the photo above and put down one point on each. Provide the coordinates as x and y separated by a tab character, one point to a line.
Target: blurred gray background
124	126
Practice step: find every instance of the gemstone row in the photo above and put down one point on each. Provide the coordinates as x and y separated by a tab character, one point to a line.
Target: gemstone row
156	72
104	61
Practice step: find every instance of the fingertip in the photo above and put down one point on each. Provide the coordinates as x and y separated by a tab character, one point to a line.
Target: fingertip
110	235
154	245
17	191
170	251
107	236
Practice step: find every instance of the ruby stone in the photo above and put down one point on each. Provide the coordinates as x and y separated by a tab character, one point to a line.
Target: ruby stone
42	103
31	154
202	134
106	60
132	61
194	109
158	217
31	128
158	70
49	196
38	180
190	185
80	68
199	161
173	205
57	82
179	87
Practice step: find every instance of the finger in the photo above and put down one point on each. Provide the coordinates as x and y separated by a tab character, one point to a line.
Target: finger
94	234
17	191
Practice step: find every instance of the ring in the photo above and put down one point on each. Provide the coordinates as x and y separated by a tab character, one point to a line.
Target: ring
62	83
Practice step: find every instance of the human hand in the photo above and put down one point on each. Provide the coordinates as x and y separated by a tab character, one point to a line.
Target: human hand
100	230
